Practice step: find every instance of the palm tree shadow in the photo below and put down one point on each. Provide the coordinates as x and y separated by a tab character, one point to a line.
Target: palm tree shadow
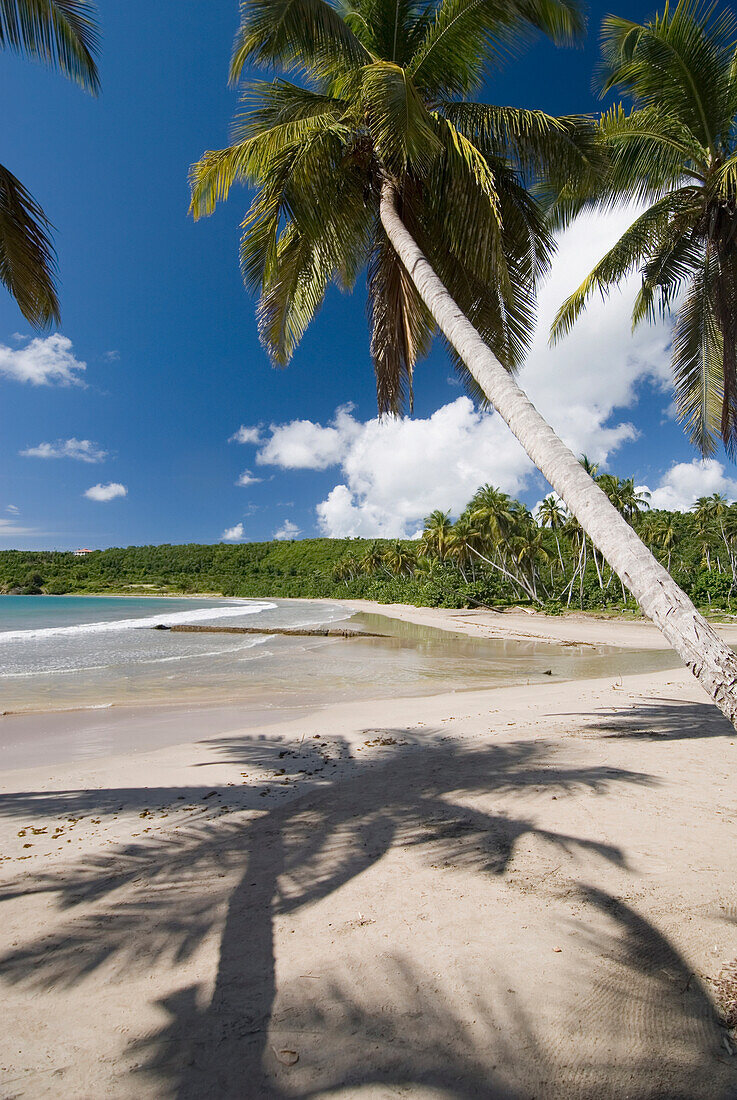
154	903
663	720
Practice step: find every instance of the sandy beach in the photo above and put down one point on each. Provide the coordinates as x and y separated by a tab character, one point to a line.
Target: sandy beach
524	892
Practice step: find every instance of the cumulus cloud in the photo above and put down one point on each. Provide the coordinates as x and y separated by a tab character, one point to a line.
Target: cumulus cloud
599	368
288	530
109	491
45	361
232	534
83	449
247	478
304	445
246	435
396	471
685	482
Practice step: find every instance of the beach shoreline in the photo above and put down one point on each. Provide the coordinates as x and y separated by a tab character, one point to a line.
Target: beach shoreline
516	624
524	890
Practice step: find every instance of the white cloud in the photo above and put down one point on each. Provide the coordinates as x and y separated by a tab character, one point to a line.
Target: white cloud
232	534
288	530
45	361
303	445
112	356
247	478
246	435
686	481
83	449
396	471
109	491
13	509
595	370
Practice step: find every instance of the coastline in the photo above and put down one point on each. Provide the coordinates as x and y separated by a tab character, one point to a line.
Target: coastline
527	889
573	628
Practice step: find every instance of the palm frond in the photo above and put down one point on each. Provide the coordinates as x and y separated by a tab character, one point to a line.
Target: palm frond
650	151
389	29
61	33
673	262
632	249
299	35
291	295
466	36
249	161
725	301
401	327
678	62
27	258
698	358
400	126
267	104
538	145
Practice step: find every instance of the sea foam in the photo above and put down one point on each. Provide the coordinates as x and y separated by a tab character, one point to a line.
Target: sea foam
172	618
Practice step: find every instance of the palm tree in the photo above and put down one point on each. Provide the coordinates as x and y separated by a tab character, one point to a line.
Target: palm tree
703	510
64	35
465	539
552	514
676	151
399	559
379	160
373	560
437	535
492	511
666	534
623	495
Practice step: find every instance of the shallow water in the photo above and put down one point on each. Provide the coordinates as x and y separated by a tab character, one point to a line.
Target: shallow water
94	669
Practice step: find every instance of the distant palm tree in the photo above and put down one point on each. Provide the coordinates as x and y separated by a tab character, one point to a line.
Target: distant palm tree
378	160
465	540
491	510
591	468
399	559
665	534
551	513
676	151
64	35
437	535
372	561
623	495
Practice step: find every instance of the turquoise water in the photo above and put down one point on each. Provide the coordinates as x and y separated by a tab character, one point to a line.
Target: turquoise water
93	614
58	652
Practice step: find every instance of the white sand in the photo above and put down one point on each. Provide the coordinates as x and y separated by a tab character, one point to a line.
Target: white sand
525	892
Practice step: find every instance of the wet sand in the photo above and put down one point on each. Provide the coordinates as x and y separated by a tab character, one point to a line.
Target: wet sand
522	892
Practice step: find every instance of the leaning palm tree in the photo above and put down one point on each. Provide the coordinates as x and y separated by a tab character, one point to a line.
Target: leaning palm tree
378	160
676	152
64	35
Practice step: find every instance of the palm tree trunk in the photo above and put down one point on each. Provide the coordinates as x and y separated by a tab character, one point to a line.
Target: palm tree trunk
696	642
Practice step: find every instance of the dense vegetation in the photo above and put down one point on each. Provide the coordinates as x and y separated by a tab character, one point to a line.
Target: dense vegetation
496	552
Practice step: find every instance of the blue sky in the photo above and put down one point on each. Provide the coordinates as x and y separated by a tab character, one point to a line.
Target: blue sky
154	307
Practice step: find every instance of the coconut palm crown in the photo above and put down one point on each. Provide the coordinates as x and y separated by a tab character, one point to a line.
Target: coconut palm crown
383	95
64	35
676	153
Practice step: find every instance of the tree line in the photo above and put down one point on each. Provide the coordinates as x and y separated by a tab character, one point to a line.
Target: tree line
495	553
